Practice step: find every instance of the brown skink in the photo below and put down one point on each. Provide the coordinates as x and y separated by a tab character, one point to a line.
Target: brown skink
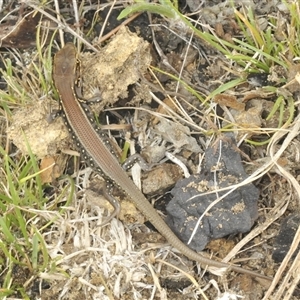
93	145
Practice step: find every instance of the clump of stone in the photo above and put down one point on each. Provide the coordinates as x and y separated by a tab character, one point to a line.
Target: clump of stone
235	213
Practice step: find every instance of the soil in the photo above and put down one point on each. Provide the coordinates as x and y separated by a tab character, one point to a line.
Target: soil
126	259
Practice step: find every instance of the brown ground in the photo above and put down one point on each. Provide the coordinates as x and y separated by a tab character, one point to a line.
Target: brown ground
125	259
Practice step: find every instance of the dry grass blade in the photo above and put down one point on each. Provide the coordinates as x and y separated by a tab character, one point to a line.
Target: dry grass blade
60	240
275	213
292	277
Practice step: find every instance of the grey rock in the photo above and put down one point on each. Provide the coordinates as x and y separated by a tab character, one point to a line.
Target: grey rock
234	214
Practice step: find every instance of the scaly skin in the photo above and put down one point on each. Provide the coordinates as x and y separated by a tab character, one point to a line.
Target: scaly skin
92	144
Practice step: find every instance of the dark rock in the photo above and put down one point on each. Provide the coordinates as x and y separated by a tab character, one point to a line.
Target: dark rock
285	237
234	214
